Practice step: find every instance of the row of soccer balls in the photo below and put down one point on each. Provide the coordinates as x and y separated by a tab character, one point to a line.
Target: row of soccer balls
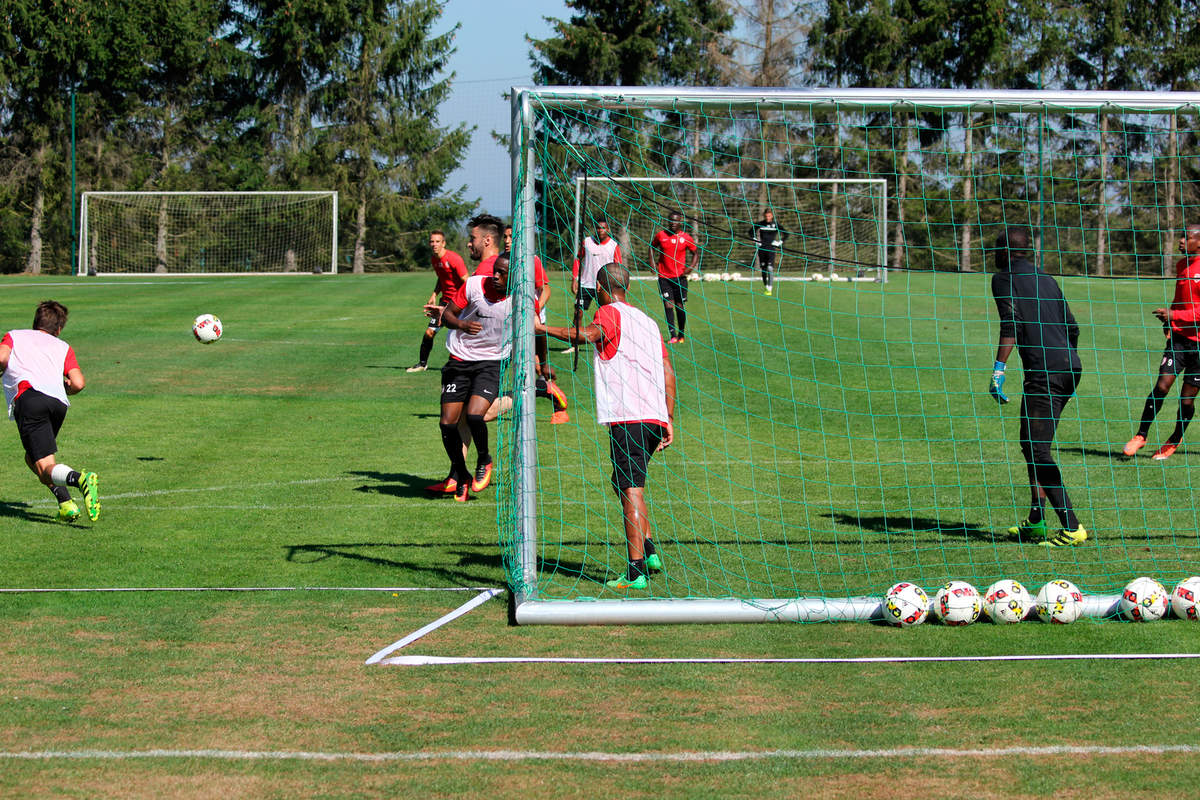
1007	601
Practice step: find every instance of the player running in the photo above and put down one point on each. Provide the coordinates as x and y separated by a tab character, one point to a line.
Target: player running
1035	317
768	240
480	338
40	371
668	253
450	272
635	398
1181	324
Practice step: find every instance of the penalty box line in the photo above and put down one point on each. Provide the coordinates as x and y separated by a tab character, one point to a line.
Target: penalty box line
615	757
422	661
100	589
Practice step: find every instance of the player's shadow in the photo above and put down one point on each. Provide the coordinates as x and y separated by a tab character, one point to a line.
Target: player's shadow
394	484
458	567
896	524
1116	453
22	511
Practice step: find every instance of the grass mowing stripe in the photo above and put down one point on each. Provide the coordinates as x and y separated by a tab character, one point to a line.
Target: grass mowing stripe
534	755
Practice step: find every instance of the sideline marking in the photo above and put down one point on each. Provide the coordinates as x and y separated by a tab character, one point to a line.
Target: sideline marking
418	661
35	590
593	755
483	596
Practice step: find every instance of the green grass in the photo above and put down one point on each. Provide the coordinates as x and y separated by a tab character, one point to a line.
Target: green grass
294	452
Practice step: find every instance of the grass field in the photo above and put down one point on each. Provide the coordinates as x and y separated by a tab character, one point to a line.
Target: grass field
294	453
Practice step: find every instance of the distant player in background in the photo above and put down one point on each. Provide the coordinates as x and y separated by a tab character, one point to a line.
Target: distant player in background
485	233
480	338
40	371
1035	317
668	254
546	387
1181	324
768	240
593	254
450	272
635	398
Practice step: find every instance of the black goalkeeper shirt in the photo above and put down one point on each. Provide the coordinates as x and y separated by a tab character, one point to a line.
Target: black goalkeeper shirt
1034	312
767	235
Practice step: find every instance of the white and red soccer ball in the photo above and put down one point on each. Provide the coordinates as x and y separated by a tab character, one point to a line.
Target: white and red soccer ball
1143	600
1059	602
1186	597
905	604
206	329
1007	601
957	603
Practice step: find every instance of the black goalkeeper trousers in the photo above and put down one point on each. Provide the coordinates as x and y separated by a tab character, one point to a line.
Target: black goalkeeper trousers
1043	398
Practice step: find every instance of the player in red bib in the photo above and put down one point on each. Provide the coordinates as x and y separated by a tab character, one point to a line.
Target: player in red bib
451	273
1181	324
40	371
668	253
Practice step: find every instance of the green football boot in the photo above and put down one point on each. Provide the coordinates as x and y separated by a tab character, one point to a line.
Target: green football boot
91	497
68	511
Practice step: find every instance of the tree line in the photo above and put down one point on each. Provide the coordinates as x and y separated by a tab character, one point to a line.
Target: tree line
277	94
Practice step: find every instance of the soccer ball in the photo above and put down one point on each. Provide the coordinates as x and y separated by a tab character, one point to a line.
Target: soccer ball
735	276
1007	601
725	276
1185	598
1144	600
206	328
957	603
1059	602
906	604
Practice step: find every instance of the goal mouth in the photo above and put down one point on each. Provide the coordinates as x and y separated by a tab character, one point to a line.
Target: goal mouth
208	233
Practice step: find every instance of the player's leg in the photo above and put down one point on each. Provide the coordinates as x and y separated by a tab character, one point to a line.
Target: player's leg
668	298
631	445
1190	361
679	288
1043	423
426	346
1034	524
485	390
1169	368
767	262
39	419
456	384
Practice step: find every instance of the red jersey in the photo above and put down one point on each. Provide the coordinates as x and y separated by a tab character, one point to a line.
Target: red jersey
1185	308
485	266
451	273
672	253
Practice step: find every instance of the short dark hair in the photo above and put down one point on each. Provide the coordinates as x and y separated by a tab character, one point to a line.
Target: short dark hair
51	317
437	232
1016	240
675	215
491	225
612	276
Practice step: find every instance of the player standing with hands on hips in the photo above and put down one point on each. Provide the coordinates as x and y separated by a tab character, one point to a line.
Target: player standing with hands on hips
668	253
1181	324
635	398
40	370
1035	318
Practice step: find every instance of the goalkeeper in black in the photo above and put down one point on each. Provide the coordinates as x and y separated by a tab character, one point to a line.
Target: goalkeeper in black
1035	317
768	241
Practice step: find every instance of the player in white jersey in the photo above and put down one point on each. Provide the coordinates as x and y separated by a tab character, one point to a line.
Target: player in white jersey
40	371
593	254
635	398
478	317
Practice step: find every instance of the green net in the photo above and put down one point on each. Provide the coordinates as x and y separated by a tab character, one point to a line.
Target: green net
836	436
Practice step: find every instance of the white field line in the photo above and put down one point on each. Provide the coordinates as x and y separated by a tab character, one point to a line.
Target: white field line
420	661
687	756
395	589
480	599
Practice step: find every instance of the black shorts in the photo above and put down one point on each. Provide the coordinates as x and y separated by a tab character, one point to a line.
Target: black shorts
435	322
586	296
39	418
631	444
464	379
766	260
673	290
1181	355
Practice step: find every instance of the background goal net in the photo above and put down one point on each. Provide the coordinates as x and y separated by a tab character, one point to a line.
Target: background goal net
207	233
838	437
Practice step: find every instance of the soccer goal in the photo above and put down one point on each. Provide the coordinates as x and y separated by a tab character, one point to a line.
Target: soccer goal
208	233
831	442
827	226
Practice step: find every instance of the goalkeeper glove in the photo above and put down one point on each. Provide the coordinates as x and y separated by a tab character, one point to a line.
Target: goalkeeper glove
996	385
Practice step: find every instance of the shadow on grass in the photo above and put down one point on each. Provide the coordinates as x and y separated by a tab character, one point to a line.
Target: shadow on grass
397	484
459	567
900	524
22	511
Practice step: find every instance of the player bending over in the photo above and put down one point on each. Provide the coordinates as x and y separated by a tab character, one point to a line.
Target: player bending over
1035	317
635	398
478	318
40	370
450	272
1181	324
668	253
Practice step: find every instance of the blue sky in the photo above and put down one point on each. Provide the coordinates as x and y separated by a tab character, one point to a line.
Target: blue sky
491	57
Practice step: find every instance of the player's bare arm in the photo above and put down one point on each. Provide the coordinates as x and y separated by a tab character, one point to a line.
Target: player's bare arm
74	381
5	352
591	334
450	319
669	385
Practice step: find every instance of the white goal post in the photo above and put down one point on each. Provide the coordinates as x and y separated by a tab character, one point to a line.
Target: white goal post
208	233
828	224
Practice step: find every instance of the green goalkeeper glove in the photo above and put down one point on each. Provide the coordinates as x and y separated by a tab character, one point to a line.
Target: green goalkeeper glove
996	385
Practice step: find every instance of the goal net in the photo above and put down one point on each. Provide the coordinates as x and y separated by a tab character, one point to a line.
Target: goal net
207	233
838	437
825	225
